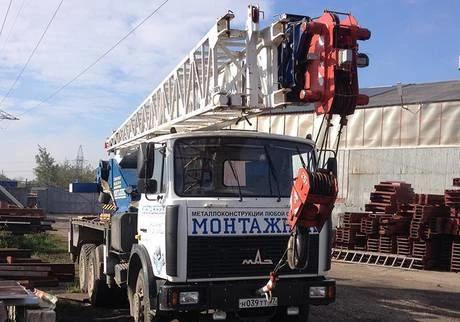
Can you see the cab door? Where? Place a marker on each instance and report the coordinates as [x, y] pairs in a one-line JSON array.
[[152, 211]]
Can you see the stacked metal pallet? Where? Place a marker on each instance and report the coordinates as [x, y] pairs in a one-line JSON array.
[[428, 252], [425, 219], [452, 200], [388, 196], [388, 204], [455, 259], [403, 245], [347, 234], [423, 227]]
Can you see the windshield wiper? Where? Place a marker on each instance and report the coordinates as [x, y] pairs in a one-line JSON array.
[[273, 172], [237, 180], [302, 160]]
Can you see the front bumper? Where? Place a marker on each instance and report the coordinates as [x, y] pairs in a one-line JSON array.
[[225, 296]]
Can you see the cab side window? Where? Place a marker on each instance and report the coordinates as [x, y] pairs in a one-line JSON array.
[[159, 169]]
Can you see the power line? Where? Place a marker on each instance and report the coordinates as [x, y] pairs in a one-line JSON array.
[[6, 15], [12, 26], [98, 59], [32, 53]]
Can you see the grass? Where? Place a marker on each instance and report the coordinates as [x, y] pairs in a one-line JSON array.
[[47, 247]]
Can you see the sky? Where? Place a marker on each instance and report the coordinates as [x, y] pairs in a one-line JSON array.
[[413, 41]]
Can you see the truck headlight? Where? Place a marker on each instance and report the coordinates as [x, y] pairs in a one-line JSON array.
[[189, 297], [317, 292]]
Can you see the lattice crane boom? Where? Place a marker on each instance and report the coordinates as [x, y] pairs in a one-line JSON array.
[[230, 73]]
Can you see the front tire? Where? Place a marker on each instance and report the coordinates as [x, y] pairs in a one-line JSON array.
[[139, 301]]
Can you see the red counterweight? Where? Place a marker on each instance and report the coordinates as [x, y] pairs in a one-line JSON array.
[[312, 198], [331, 79]]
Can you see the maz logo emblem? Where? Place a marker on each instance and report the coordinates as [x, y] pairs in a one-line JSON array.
[[257, 260]]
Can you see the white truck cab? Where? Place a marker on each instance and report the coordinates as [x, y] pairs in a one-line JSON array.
[[212, 219]]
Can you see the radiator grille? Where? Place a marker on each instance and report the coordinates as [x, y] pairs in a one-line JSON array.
[[221, 257]]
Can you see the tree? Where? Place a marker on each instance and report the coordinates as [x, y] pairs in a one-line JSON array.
[[4, 178], [50, 173], [47, 169]]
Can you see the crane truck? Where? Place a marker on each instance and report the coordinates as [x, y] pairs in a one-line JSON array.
[[196, 216]]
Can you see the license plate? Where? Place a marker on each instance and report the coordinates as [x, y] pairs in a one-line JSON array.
[[257, 302]]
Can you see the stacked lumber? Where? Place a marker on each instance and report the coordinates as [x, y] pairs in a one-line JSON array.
[[17, 264], [24, 220]]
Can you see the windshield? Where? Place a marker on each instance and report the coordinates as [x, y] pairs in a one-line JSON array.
[[238, 166]]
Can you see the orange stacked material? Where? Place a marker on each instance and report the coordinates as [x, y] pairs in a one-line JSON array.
[[452, 200], [428, 252], [373, 243], [424, 226], [403, 246], [346, 234], [387, 245], [394, 225], [388, 195], [429, 199]]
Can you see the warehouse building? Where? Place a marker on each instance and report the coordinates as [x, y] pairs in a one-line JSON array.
[[406, 133]]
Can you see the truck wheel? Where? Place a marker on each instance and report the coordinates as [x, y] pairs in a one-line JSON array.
[[140, 300], [282, 316], [97, 289], [83, 259]]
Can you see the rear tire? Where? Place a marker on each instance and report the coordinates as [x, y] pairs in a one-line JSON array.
[[282, 316], [83, 260], [97, 289]]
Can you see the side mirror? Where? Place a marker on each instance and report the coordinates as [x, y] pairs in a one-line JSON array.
[[147, 186], [331, 165], [145, 160]]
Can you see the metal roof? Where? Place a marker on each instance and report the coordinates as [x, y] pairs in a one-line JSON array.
[[388, 96], [414, 93]]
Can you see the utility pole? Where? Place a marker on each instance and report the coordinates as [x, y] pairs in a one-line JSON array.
[[6, 116], [79, 161]]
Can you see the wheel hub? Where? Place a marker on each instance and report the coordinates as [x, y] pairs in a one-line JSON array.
[[138, 309]]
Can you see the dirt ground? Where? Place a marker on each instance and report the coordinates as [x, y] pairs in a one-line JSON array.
[[364, 293]]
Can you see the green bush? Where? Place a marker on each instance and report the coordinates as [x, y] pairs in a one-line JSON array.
[[43, 245]]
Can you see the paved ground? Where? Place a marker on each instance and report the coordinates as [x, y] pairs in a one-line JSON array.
[[369, 293], [364, 293]]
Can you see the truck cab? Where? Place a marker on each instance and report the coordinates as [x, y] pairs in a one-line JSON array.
[[211, 225]]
